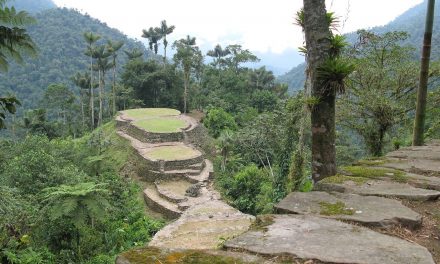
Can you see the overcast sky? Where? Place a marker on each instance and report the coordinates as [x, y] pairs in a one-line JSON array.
[[258, 25]]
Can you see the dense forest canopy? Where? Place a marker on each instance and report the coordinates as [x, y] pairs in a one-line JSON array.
[[68, 181], [32, 6], [58, 34]]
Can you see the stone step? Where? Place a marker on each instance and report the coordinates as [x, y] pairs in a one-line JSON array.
[[418, 166], [205, 174], [197, 166], [370, 211], [326, 240], [379, 188], [173, 191], [182, 173], [429, 152], [159, 204], [203, 226]]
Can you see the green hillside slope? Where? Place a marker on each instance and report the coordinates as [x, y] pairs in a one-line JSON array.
[[59, 36]]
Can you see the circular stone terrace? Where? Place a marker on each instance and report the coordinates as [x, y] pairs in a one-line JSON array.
[[173, 152], [156, 120]]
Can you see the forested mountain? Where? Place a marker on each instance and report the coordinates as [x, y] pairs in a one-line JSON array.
[[32, 6], [412, 21], [58, 34]]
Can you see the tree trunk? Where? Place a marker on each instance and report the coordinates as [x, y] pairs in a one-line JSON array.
[[165, 51], [317, 34], [419, 121], [185, 92], [92, 99], [82, 107], [101, 78], [114, 87]]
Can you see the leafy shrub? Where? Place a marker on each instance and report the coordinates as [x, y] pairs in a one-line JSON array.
[[251, 190], [218, 120]]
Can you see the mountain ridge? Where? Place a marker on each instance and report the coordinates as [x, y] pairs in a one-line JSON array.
[[411, 21], [58, 34]]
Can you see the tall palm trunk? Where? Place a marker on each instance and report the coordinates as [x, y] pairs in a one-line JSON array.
[[92, 98], [419, 121], [185, 92], [317, 35], [100, 77], [81, 94], [114, 87], [165, 44]]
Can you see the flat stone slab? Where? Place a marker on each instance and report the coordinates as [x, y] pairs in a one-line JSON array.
[[419, 166], [429, 152], [149, 255], [327, 240], [380, 188], [203, 226], [366, 210]]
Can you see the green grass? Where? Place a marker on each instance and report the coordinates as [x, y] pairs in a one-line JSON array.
[[161, 125], [172, 153], [338, 208], [374, 173], [361, 174], [339, 179], [150, 112]]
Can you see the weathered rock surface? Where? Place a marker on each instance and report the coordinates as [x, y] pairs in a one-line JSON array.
[[203, 226], [150, 255], [327, 240], [420, 166], [429, 152], [366, 210], [380, 188]]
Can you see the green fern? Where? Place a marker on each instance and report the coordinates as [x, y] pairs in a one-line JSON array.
[[79, 202]]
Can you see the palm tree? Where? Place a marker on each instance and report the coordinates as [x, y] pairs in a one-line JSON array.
[[82, 81], [419, 121], [133, 54], [218, 53], [91, 39], [113, 48], [153, 38], [102, 66], [79, 204], [189, 57], [165, 30], [14, 41]]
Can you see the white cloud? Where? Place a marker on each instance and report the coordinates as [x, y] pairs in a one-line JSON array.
[[258, 25]]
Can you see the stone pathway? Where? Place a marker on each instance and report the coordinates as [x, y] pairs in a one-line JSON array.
[[306, 227], [180, 189], [370, 211], [329, 241], [332, 224]]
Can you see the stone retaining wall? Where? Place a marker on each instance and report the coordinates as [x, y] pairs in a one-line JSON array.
[[161, 209], [150, 137], [198, 137], [182, 164]]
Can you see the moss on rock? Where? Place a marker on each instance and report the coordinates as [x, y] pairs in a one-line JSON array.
[[338, 208]]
